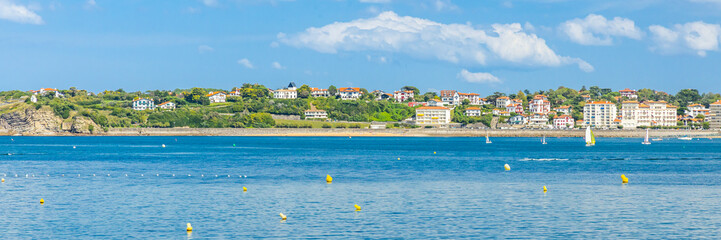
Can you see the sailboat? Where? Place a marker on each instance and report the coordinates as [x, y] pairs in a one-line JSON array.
[[590, 138], [488, 141], [543, 141], [645, 140]]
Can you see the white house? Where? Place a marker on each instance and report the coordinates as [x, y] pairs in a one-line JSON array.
[[514, 108], [502, 102], [291, 86], [45, 91], [401, 96], [285, 94], [313, 113], [563, 122], [433, 115], [216, 97], [349, 93], [540, 104], [564, 110], [599, 114], [167, 105], [235, 93], [435, 103], [630, 94], [484, 101], [474, 98], [537, 119], [519, 119], [33, 99], [450, 97], [473, 112], [317, 92], [696, 109], [141, 104], [648, 114]]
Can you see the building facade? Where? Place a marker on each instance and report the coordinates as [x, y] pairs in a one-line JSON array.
[[141, 104], [715, 115], [502, 102], [401, 96], [628, 93], [285, 94], [647, 114], [473, 98], [564, 110], [599, 114], [433, 115], [563, 122], [167, 105], [694, 110], [540, 104], [317, 92], [216, 97], [450, 97], [349, 93], [473, 112]]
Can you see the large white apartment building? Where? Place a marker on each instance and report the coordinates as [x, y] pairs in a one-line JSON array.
[[433, 115], [502, 102], [647, 114], [141, 104], [540, 104], [285, 94], [599, 114], [349, 93], [715, 114]]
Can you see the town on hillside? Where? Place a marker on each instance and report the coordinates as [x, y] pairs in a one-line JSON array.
[[254, 105]]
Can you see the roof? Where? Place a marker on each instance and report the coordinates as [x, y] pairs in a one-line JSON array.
[[432, 108], [504, 97], [468, 94], [472, 108], [627, 90], [291, 84], [616, 120], [285, 90], [717, 103], [164, 103], [695, 105], [349, 89], [636, 102], [317, 89], [447, 92], [315, 110], [405, 91], [539, 96], [599, 102], [586, 96], [563, 116], [214, 93], [435, 100], [49, 89], [643, 105], [139, 98]]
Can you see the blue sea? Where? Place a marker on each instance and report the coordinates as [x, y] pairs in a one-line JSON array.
[[408, 188]]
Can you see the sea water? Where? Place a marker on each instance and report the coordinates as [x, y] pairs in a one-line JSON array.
[[460, 191]]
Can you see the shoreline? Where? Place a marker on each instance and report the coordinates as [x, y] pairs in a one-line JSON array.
[[321, 132]]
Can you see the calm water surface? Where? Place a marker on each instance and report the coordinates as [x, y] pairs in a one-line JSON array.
[[460, 192]]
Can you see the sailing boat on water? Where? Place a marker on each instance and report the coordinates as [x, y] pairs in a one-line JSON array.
[[488, 141], [590, 138], [543, 141], [645, 140]]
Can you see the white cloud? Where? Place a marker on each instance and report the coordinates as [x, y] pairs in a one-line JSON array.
[[455, 43], [441, 5], [597, 30], [17, 13], [205, 49], [277, 65], [479, 77], [245, 62], [210, 3], [274, 44], [91, 3], [695, 37]]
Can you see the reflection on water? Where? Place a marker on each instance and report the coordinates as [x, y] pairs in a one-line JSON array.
[[461, 191]]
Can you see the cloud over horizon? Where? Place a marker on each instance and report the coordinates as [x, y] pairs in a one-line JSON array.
[[18, 13], [479, 77], [692, 37], [504, 44], [597, 30]]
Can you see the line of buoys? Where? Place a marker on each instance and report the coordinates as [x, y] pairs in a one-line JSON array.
[[189, 228], [283, 217], [545, 189], [624, 179], [507, 167], [357, 208], [328, 179]]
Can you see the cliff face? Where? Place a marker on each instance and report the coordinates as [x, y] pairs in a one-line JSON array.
[[31, 121]]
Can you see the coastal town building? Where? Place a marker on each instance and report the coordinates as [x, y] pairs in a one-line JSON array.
[[628, 93], [563, 122], [538, 120], [314, 113], [514, 108], [696, 109], [504, 113], [473, 98], [291, 86], [502, 102], [520, 119], [33, 99], [563, 110], [497, 111], [450, 97], [234, 93], [318, 92], [167, 105], [540, 104], [402, 96], [715, 115], [586, 98], [647, 114], [141, 104], [285, 94], [433, 116], [216, 97], [435, 103], [415, 104], [349, 93], [47, 91], [484, 101], [599, 114], [473, 112]]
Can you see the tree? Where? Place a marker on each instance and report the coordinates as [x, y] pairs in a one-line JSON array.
[[466, 102], [411, 88], [332, 90], [522, 96], [304, 91], [197, 95], [686, 96]]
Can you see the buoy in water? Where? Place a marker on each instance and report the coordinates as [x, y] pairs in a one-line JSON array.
[[245, 189], [189, 228], [357, 208], [73, 147], [233, 144], [283, 217], [328, 179], [3, 180], [624, 179], [42, 201], [507, 167], [399, 158], [163, 145], [545, 189]]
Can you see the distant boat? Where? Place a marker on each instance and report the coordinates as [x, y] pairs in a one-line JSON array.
[[645, 140], [543, 141], [657, 139], [590, 138], [687, 138], [488, 141]]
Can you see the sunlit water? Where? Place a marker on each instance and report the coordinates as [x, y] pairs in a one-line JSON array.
[[462, 191]]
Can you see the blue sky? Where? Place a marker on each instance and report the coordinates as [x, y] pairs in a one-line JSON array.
[[471, 46]]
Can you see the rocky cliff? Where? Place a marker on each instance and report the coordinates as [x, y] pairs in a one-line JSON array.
[[26, 120]]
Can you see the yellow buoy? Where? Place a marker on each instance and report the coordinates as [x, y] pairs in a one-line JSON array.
[[163, 145], [245, 189], [434, 152], [399, 158], [3, 180], [328, 179], [357, 208], [283, 217], [189, 228], [42, 201], [545, 189], [624, 179], [507, 167]]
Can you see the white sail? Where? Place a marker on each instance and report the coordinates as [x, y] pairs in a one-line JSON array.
[[645, 140], [487, 139], [590, 140]]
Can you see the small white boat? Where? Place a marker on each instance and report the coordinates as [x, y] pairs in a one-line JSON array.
[[543, 141], [645, 140], [590, 138], [685, 138], [488, 141], [657, 139]]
